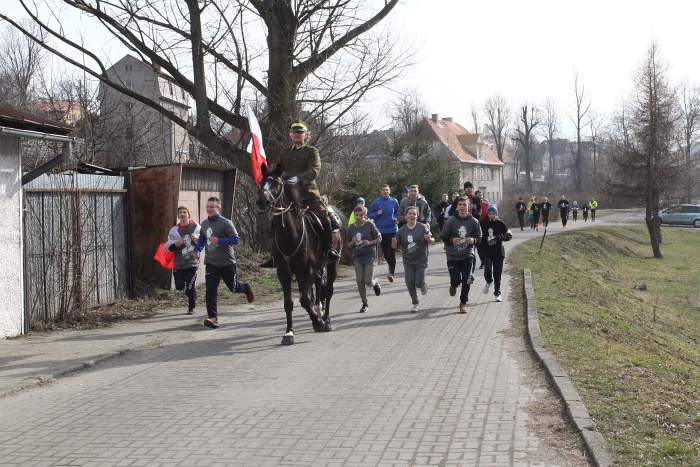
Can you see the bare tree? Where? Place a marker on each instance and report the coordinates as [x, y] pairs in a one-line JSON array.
[[22, 62], [320, 55], [498, 116], [689, 133], [407, 111], [550, 131], [475, 118], [580, 108], [595, 124], [643, 161], [525, 137]]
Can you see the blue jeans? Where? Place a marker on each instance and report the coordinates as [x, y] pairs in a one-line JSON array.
[[493, 269], [460, 271], [213, 275]]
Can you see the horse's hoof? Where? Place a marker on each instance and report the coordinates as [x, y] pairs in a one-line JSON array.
[[328, 327], [319, 326], [287, 340]]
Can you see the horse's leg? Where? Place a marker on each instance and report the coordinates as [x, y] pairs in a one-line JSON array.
[[286, 283], [331, 274], [308, 283], [317, 297]]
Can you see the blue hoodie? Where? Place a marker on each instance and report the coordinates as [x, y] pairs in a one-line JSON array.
[[385, 222]]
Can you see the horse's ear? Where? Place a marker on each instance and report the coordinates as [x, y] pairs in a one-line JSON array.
[[277, 172]]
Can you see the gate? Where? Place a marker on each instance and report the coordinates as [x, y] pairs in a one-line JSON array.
[[75, 244]]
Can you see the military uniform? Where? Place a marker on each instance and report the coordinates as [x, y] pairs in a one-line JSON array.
[[304, 162]]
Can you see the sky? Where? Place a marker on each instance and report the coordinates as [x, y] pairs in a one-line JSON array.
[[528, 51]]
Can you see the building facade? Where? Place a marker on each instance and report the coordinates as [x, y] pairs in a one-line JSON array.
[[136, 134], [475, 160]]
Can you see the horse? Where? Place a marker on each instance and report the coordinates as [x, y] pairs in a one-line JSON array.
[[297, 251]]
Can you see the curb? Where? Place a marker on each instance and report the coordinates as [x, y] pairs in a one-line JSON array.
[[42, 379], [575, 408]]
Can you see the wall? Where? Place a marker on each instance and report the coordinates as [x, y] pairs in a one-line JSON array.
[[11, 270]]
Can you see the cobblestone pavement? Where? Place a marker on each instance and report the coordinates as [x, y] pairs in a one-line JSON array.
[[387, 387]]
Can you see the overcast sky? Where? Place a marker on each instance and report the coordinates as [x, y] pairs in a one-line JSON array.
[[525, 51], [528, 50]]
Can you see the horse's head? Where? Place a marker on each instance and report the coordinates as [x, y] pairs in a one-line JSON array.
[[270, 189]]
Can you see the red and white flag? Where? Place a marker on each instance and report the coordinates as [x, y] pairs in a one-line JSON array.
[[255, 147]]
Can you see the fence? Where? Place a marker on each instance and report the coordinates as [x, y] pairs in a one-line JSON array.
[[75, 245]]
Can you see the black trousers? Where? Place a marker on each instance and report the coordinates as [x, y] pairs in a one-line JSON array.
[[213, 276], [185, 279]]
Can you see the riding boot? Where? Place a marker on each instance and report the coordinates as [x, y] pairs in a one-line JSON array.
[[268, 263], [328, 247]]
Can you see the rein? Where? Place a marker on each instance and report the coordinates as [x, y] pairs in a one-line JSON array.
[[280, 209]]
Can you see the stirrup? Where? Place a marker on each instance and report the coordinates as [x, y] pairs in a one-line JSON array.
[[333, 255], [268, 263]]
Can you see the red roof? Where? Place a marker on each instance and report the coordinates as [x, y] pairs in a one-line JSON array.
[[457, 139]]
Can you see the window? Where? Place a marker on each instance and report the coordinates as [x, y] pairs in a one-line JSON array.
[[170, 85]]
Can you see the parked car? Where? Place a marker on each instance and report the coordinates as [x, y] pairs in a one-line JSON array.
[[684, 214]]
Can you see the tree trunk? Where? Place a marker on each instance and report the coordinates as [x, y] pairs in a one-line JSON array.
[[282, 92], [528, 177]]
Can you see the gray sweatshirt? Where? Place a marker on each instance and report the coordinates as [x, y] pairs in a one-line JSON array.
[[462, 228]]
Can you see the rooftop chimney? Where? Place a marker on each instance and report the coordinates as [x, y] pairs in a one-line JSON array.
[[435, 118], [448, 119]]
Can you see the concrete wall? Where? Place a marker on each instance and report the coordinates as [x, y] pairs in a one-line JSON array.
[[11, 270]]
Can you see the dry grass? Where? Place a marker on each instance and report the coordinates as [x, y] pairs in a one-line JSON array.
[[632, 354]]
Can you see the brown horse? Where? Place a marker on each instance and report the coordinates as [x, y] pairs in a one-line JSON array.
[[297, 250]]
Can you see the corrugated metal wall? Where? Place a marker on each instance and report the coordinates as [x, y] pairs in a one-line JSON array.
[[75, 244]]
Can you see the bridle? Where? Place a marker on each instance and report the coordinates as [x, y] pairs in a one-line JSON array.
[[278, 208]]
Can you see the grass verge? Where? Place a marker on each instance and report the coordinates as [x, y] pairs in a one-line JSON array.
[[626, 329]]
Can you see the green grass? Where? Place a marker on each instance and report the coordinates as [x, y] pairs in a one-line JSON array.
[[633, 355]]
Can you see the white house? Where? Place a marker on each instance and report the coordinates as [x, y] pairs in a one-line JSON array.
[[476, 161], [14, 126]]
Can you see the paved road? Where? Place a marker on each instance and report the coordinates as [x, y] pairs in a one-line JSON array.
[[384, 388]]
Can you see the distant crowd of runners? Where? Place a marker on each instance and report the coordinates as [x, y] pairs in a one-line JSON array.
[[539, 211]]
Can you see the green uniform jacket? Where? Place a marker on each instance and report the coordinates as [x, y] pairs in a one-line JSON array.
[[304, 162]]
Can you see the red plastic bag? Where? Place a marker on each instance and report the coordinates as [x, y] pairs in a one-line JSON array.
[[165, 258]]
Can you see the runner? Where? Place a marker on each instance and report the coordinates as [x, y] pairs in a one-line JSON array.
[[181, 240], [563, 211], [494, 232], [364, 237], [383, 212], [461, 234], [414, 239], [521, 208], [218, 235]]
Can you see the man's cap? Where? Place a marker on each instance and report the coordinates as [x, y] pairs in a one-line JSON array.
[[468, 185], [360, 200], [492, 208], [298, 127], [404, 190]]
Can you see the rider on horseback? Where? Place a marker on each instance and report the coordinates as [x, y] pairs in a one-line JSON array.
[[302, 164]]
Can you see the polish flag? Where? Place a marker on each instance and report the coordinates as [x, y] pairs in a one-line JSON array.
[[255, 147]]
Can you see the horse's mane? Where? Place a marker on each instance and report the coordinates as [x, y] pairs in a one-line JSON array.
[[291, 193]]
